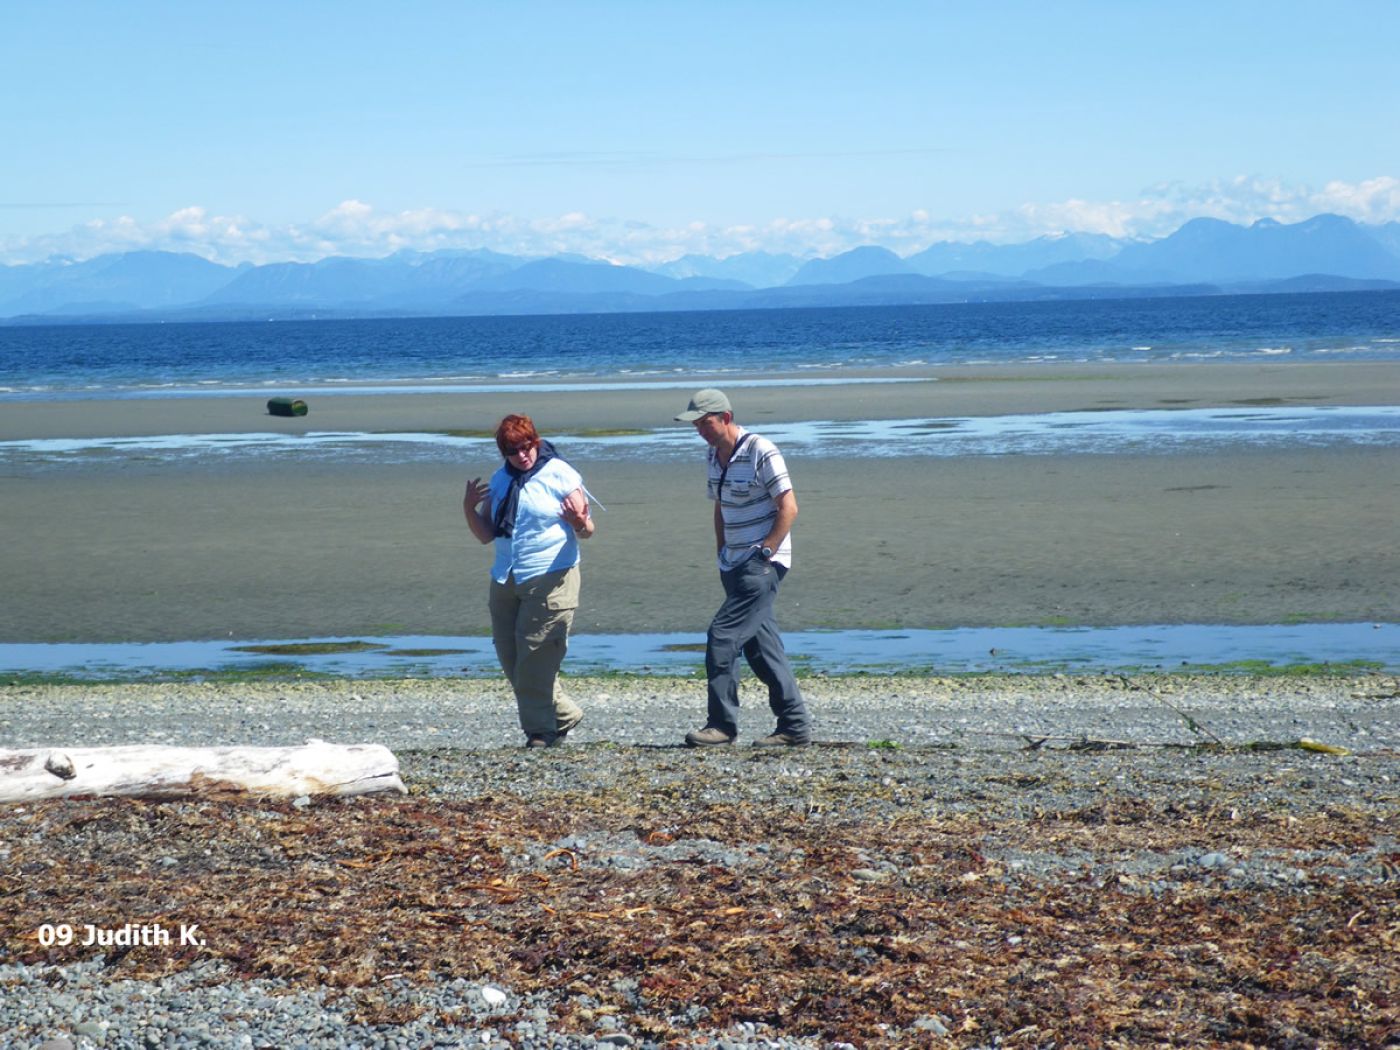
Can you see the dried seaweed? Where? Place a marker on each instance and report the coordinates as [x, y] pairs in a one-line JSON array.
[[792, 929]]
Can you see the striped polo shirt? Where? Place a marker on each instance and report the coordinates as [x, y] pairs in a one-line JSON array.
[[756, 476]]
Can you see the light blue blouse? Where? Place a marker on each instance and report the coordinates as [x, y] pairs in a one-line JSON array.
[[543, 541]]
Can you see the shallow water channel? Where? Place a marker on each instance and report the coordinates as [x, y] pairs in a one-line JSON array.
[[957, 651]]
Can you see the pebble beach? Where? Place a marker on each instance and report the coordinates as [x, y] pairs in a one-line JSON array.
[[1030, 827]]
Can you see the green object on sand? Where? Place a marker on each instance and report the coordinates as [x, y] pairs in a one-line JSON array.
[[286, 406]]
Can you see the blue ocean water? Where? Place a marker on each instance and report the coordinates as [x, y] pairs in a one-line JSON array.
[[65, 361]]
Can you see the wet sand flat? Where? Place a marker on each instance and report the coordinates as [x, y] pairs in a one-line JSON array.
[[152, 550], [943, 392]]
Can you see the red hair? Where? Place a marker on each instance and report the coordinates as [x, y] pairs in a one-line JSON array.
[[514, 432]]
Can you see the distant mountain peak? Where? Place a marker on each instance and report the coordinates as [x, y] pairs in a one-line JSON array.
[[867, 261], [1219, 252], [759, 269], [1204, 256]]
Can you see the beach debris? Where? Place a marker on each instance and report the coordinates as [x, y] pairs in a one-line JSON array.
[[1306, 744], [569, 856], [158, 771], [869, 875], [493, 996], [60, 766], [1036, 741], [991, 911], [286, 406], [680, 949], [1303, 744], [1191, 723]]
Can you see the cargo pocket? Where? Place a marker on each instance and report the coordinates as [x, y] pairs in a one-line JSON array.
[[564, 594]]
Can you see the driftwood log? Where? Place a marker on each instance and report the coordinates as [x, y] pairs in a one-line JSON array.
[[149, 771]]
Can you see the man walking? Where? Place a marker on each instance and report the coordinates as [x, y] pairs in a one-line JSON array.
[[754, 511]]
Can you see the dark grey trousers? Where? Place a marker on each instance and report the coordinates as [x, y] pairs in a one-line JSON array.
[[745, 624]]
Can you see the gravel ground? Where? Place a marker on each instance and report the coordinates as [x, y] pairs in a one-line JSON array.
[[1199, 808], [986, 712]]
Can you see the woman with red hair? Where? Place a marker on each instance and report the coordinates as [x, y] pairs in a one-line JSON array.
[[535, 510]]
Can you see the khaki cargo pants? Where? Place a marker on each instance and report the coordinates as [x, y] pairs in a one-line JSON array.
[[530, 624]]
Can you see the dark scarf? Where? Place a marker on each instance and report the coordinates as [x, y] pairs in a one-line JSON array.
[[510, 505]]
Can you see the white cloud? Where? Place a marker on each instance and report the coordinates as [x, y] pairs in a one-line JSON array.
[[1160, 209], [357, 228], [1373, 201]]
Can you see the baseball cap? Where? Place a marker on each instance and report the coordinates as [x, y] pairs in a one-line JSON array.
[[703, 403]]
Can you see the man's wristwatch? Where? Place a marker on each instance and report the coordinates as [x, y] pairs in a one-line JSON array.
[[766, 553]]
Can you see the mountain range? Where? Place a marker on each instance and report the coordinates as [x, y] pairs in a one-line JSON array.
[[1203, 257]]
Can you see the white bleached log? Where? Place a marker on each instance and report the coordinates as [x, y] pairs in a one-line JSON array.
[[151, 771]]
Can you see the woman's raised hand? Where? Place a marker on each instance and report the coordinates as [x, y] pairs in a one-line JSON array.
[[477, 494], [574, 510]]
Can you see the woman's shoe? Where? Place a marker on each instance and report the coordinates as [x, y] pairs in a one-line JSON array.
[[783, 739]]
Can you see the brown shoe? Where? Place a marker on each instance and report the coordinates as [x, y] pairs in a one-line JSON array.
[[542, 740], [783, 740], [708, 737]]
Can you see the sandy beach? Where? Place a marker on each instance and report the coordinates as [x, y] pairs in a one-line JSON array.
[[960, 861], [157, 550]]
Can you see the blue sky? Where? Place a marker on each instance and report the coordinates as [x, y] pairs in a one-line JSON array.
[[642, 131]]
